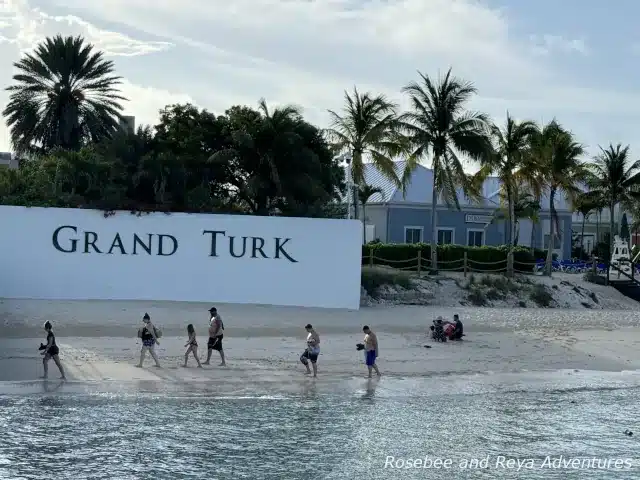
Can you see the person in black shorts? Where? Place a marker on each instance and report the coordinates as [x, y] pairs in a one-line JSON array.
[[216, 327], [312, 351], [51, 351]]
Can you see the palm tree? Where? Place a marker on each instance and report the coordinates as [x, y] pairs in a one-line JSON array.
[[368, 127], [558, 156], [511, 146], [585, 207], [65, 94], [613, 181], [439, 126], [525, 206], [365, 192]]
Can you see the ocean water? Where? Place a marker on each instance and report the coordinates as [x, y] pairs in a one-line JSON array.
[[326, 431], [508, 398]]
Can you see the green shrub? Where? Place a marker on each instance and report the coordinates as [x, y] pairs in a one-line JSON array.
[[500, 283], [495, 294], [540, 295], [373, 278], [477, 297], [450, 257]]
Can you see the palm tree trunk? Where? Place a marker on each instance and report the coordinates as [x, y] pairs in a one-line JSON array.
[[598, 227], [533, 233], [364, 225], [517, 237], [356, 158], [533, 227], [552, 210], [512, 232], [434, 227], [354, 201], [584, 219], [611, 227]]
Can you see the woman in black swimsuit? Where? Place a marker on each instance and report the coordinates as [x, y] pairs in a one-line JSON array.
[[51, 351]]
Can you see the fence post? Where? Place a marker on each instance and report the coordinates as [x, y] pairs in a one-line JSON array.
[[419, 261], [465, 264], [371, 257], [594, 265]]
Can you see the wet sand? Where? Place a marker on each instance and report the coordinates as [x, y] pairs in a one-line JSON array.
[[262, 343]]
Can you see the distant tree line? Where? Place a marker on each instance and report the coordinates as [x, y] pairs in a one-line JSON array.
[[65, 108]]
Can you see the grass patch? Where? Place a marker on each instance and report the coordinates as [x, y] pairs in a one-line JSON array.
[[477, 296], [500, 284], [541, 296], [374, 278], [494, 294], [594, 297]]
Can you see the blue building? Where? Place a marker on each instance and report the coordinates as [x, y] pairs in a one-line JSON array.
[[393, 217]]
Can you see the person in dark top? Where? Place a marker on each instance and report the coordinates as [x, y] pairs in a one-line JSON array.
[[51, 351], [149, 340], [458, 329]]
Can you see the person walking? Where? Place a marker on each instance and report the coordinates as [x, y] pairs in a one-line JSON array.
[[312, 351], [149, 340], [192, 345], [370, 350], [51, 351], [216, 327]]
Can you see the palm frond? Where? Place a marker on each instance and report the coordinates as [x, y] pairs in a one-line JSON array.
[[64, 94]]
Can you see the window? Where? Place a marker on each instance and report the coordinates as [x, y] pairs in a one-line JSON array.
[[557, 243], [445, 236], [412, 234], [475, 238]]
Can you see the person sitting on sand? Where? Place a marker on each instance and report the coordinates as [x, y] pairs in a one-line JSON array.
[[455, 329], [192, 345], [312, 351], [51, 351], [149, 340], [370, 349], [216, 327]]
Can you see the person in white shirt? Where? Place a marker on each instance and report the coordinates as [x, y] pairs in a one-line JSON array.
[[216, 329], [370, 349], [312, 351]]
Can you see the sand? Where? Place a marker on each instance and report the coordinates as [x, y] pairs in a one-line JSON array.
[[99, 348]]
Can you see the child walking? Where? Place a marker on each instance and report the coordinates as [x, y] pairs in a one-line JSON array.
[[193, 346]]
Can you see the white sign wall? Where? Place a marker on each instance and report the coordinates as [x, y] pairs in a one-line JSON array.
[[73, 254]]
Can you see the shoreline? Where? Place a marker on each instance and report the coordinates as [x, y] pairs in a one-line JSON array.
[[262, 344]]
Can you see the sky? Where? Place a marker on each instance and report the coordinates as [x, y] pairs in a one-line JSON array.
[[576, 61]]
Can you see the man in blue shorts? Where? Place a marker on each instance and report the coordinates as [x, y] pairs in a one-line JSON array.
[[370, 350], [312, 351]]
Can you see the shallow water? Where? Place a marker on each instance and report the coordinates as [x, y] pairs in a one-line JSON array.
[[501, 393], [343, 434]]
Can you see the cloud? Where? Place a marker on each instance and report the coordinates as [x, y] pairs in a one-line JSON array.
[[550, 44], [307, 52]]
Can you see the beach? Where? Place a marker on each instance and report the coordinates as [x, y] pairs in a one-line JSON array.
[[98, 340], [543, 360]]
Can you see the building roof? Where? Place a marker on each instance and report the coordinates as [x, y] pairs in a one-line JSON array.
[[419, 189]]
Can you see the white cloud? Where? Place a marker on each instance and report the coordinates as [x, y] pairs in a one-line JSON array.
[[222, 53]]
